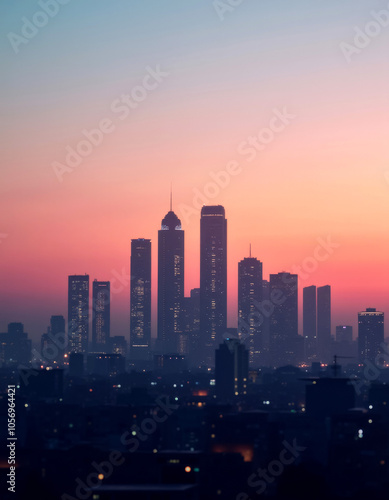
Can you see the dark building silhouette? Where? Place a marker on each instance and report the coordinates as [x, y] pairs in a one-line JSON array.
[[15, 346], [101, 314], [76, 364], [189, 343], [324, 322], [329, 396], [309, 322], [105, 365], [41, 384], [140, 323], [284, 336], [78, 313], [54, 342], [118, 345], [170, 281], [344, 333], [213, 277], [231, 369], [370, 334], [250, 319]]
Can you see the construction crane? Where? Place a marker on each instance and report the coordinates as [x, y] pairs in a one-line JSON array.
[[335, 365]]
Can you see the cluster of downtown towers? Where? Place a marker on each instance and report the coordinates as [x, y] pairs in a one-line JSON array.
[[195, 326]]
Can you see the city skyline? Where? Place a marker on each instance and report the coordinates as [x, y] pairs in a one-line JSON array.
[[313, 180], [121, 280]]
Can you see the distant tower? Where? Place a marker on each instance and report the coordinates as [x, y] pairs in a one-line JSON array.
[[53, 343], [101, 315], [370, 335], [231, 369], [309, 322], [284, 318], [250, 319], [78, 313], [324, 322], [213, 277], [140, 326], [170, 281]]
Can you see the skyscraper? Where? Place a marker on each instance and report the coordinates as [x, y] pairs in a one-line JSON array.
[[140, 324], [213, 277], [324, 322], [78, 313], [170, 281], [370, 335], [231, 369], [250, 319], [309, 322], [101, 315], [284, 318], [53, 343]]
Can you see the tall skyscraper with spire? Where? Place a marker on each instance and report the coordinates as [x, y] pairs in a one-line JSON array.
[[250, 319], [213, 277], [140, 322], [170, 280], [78, 313]]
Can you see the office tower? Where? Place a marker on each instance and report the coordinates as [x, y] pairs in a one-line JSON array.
[[250, 318], [15, 346], [309, 322], [370, 335], [344, 333], [118, 345], [213, 277], [190, 327], [54, 342], [284, 336], [324, 323], [170, 281], [101, 314], [78, 313], [140, 323], [231, 369]]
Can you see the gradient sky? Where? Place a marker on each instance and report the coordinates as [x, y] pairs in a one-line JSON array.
[[325, 175]]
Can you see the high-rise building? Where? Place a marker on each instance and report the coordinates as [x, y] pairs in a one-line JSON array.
[[213, 277], [324, 322], [344, 333], [250, 319], [140, 324], [284, 318], [231, 369], [309, 322], [101, 314], [78, 313], [190, 327], [15, 346], [370, 335], [54, 342], [170, 281]]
